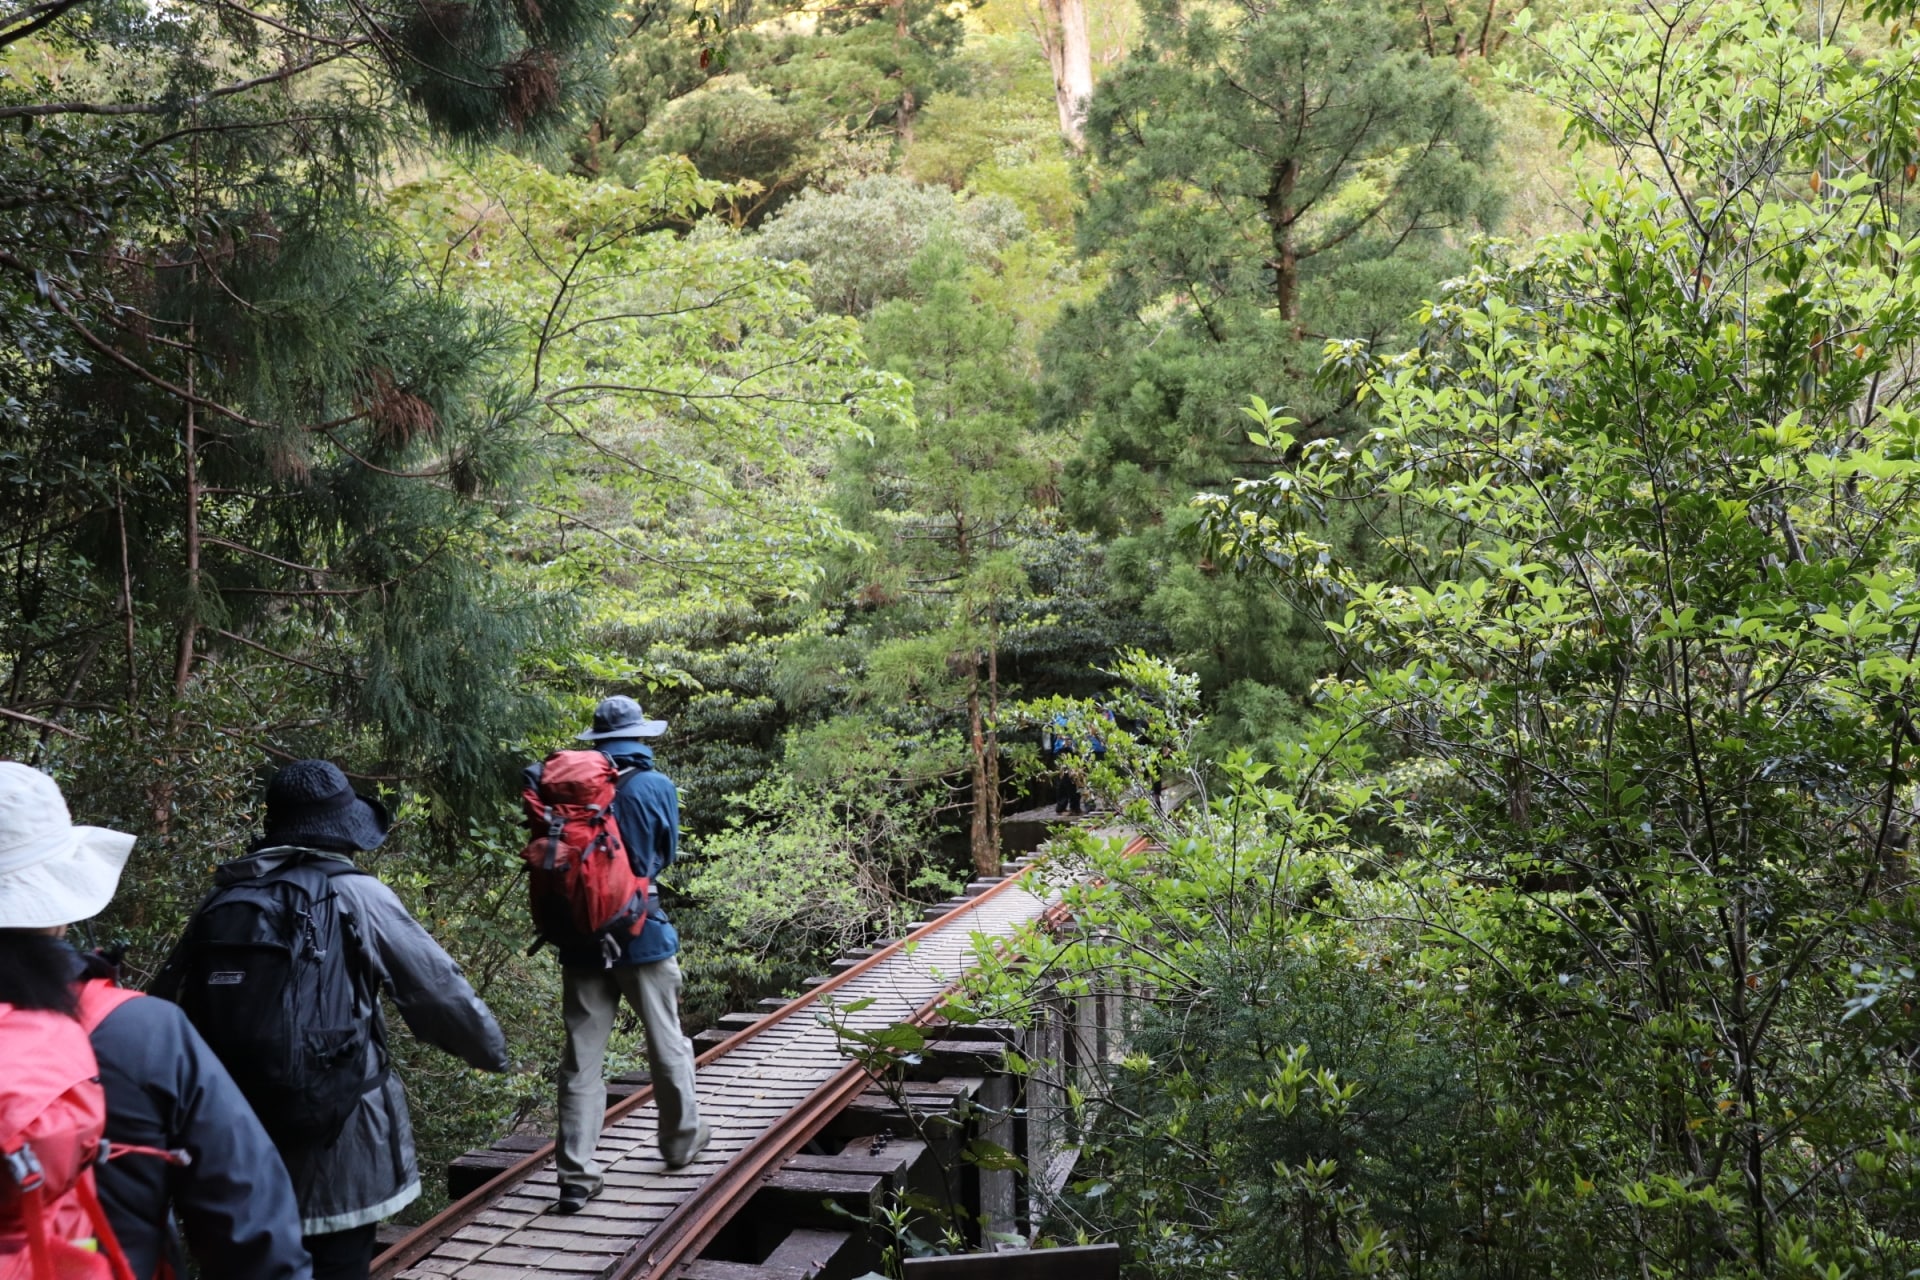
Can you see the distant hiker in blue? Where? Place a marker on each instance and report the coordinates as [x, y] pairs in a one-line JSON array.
[[1066, 790], [646, 808]]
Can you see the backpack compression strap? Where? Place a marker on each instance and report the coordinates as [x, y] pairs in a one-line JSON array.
[[31, 1180]]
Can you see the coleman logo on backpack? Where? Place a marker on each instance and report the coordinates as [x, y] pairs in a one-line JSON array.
[[581, 886]]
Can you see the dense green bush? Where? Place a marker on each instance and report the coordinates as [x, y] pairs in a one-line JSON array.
[[863, 240]]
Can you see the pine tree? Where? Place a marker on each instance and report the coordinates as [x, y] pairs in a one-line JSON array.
[[249, 445], [945, 498], [1264, 178]]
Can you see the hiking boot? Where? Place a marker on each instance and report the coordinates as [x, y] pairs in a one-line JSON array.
[[681, 1157], [572, 1200]]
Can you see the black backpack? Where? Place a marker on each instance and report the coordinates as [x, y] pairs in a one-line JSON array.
[[269, 974]]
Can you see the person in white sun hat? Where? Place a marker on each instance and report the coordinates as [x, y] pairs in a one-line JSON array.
[[52, 873], [199, 1149]]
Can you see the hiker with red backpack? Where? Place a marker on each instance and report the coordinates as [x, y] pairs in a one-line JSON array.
[[604, 823], [281, 970], [112, 1109]]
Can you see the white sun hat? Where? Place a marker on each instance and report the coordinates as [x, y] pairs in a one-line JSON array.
[[51, 872]]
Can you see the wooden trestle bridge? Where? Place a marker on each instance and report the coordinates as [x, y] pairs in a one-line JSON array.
[[805, 1143]]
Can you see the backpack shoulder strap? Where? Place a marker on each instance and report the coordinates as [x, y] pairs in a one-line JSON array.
[[100, 997], [360, 964], [166, 980]]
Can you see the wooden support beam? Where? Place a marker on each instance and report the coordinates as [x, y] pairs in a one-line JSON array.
[[761, 1248], [702, 1269], [988, 1029], [894, 1160], [941, 1114], [816, 1254], [942, 1058], [475, 1169], [1080, 1262], [619, 1087], [800, 1197], [996, 1192]]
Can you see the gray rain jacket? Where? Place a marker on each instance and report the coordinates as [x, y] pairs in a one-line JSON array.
[[370, 1171]]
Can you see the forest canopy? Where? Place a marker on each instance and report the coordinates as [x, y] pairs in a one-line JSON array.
[[1446, 472]]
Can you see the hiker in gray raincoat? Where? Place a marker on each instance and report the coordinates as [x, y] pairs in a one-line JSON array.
[[369, 1171]]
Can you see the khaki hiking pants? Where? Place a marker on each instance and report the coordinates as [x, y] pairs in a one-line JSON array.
[[589, 998]]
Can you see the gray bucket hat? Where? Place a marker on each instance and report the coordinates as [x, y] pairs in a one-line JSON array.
[[621, 717]]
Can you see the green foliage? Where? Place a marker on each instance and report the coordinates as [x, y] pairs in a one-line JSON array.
[[1664, 651], [1286, 1104], [318, 519], [822, 855], [687, 389], [1139, 731], [1069, 625], [770, 97], [944, 500], [245, 438], [1235, 226], [1228, 193], [256, 463], [998, 131], [862, 241]]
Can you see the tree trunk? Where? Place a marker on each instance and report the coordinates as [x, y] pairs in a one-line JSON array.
[[1064, 37], [190, 619], [1285, 264], [993, 745], [986, 855], [160, 795], [126, 599], [903, 122]]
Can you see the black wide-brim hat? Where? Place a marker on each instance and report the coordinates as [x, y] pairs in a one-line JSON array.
[[311, 803]]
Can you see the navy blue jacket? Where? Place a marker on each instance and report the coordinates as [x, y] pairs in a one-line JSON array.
[[647, 810], [234, 1201]]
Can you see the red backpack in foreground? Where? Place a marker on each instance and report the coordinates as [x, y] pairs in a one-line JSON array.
[[53, 1113], [580, 884]]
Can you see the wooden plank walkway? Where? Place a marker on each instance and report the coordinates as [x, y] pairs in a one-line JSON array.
[[741, 1093]]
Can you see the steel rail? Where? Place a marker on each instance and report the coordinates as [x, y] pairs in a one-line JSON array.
[[425, 1238]]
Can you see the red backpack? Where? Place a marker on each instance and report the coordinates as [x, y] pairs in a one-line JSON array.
[[580, 884], [53, 1114]]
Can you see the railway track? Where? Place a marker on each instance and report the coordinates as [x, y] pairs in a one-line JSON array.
[[767, 1091]]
